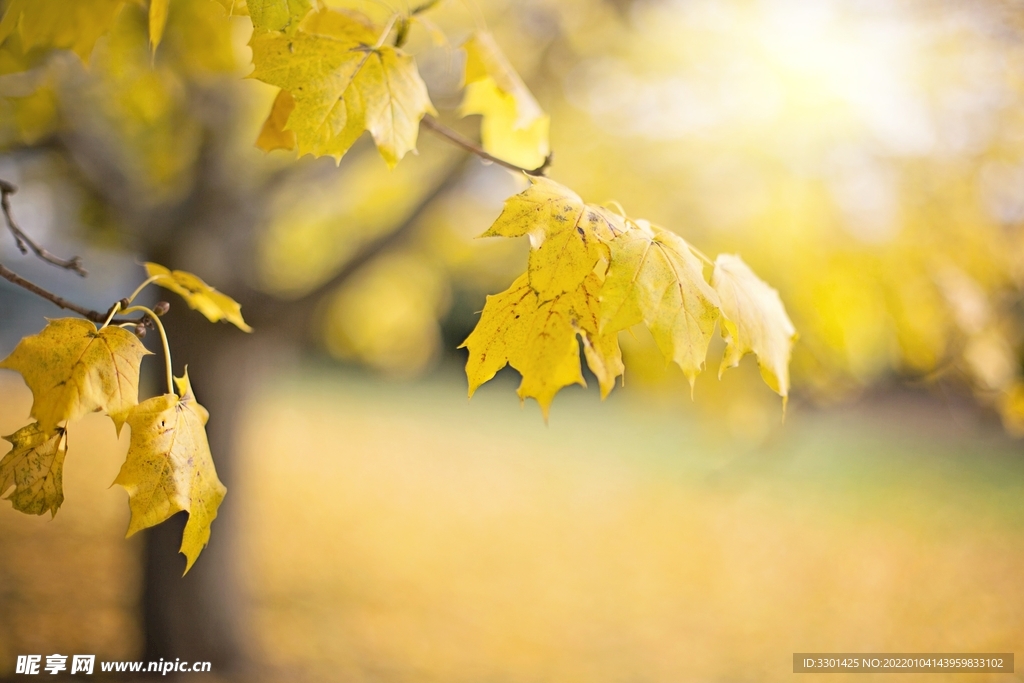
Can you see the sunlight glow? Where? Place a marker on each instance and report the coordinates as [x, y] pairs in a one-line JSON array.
[[826, 64]]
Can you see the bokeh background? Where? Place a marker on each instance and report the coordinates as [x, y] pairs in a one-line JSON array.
[[866, 158]]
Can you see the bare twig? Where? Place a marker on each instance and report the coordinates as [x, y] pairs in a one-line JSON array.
[[25, 243], [371, 250], [94, 316], [423, 7], [443, 131]]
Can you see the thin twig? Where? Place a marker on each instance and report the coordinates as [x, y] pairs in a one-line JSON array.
[[25, 242], [441, 130], [88, 314], [423, 7], [376, 247]]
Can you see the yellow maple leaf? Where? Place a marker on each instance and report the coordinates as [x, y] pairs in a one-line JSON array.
[[34, 466], [198, 295], [653, 277], [73, 369], [342, 83], [566, 235], [273, 134], [538, 339], [59, 24], [753, 320], [277, 15], [169, 468], [514, 127], [601, 348], [157, 21], [234, 8]]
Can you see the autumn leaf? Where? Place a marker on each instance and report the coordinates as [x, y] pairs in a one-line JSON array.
[[277, 15], [514, 127], [34, 466], [60, 24], [198, 295], [601, 348], [753, 320], [73, 369], [566, 235], [273, 135], [341, 84], [500, 331], [653, 277], [234, 8], [169, 468], [157, 21], [539, 340]]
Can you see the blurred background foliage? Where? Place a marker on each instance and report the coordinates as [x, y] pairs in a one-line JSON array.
[[866, 158], [863, 156]]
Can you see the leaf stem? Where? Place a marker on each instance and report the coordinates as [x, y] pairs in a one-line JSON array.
[[163, 340], [113, 311], [387, 31], [700, 254], [614, 204], [446, 133], [138, 290]]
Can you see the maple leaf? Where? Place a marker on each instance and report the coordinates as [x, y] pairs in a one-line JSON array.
[[73, 369], [566, 235], [753, 320], [654, 278], [34, 466], [59, 24], [198, 295], [169, 467], [514, 127], [273, 134], [157, 21], [277, 15], [601, 348], [539, 340], [234, 8], [342, 83]]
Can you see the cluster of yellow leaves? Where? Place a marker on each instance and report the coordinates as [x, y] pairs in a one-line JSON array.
[[338, 77], [58, 24], [337, 80], [514, 127], [198, 295], [74, 368], [593, 273], [75, 26]]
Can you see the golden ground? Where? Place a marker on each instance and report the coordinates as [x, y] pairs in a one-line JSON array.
[[397, 533], [402, 535]]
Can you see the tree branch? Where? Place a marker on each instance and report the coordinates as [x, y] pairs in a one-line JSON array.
[[373, 249], [25, 242], [446, 133], [88, 314]]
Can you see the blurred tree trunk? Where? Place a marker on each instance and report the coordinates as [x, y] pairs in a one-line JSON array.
[[197, 617], [213, 230]]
